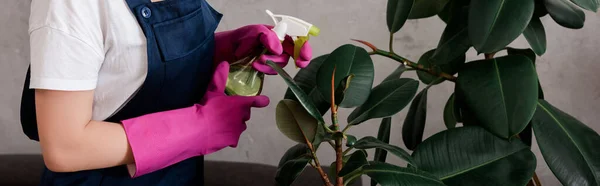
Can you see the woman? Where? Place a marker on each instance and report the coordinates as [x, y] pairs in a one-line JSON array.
[[131, 92]]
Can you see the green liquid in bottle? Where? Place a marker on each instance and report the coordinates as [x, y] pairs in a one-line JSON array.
[[244, 81]]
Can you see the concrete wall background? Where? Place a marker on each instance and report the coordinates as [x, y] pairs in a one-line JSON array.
[[568, 71]]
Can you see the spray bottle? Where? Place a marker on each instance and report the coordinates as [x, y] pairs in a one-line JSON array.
[[243, 79]]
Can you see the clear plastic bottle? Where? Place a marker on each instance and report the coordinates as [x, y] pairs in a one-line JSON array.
[[243, 79]]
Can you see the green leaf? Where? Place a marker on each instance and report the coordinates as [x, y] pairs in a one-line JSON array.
[[540, 9], [383, 135], [455, 41], [450, 68], [294, 122], [292, 163], [444, 15], [467, 117], [526, 135], [450, 113], [357, 160], [501, 93], [453, 44], [565, 13], [350, 140], [347, 59], [525, 52], [414, 123], [493, 24], [386, 99], [396, 73], [306, 78], [569, 147], [426, 8], [370, 142], [333, 167], [397, 14], [591, 5], [302, 97], [531, 55], [387, 174], [536, 36], [473, 156]]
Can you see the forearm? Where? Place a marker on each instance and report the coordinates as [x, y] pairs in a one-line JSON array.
[[97, 145], [71, 140]]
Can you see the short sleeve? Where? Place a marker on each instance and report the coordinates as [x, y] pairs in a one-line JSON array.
[[60, 61]]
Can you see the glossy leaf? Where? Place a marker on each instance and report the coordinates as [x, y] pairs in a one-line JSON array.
[[569, 147], [347, 60], [455, 41], [501, 92], [396, 74], [565, 13], [453, 44], [397, 13], [386, 99], [304, 100], [540, 9], [531, 55], [333, 168], [450, 68], [493, 24], [388, 174], [450, 113], [414, 123], [292, 163], [426, 8], [357, 160], [473, 156], [370, 142], [294, 122], [527, 135], [306, 79], [444, 15], [535, 34], [350, 140], [591, 5], [383, 135]]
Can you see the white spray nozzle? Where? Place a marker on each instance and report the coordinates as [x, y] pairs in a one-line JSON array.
[[294, 27]]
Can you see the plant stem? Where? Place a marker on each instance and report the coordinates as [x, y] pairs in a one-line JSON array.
[[414, 65], [333, 106], [405, 61], [346, 128], [392, 43], [490, 55], [536, 179], [318, 166], [336, 126], [347, 151], [339, 162], [331, 143]]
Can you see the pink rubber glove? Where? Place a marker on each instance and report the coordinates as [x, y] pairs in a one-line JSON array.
[[236, 44], [162, 139]]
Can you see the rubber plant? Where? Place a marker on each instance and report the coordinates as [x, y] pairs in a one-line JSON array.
[[497, 106]]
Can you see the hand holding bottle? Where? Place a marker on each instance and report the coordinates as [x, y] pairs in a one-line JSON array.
[[237, 44], [162, 139]]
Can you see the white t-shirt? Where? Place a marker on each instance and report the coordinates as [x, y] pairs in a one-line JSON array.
[[87, 45]]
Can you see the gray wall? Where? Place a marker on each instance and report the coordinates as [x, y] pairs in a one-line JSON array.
[[568, 72]]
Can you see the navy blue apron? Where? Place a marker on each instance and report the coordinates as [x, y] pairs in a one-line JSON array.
[[180, 39]]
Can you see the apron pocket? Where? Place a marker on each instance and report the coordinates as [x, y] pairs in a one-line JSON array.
[[181, 36]]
